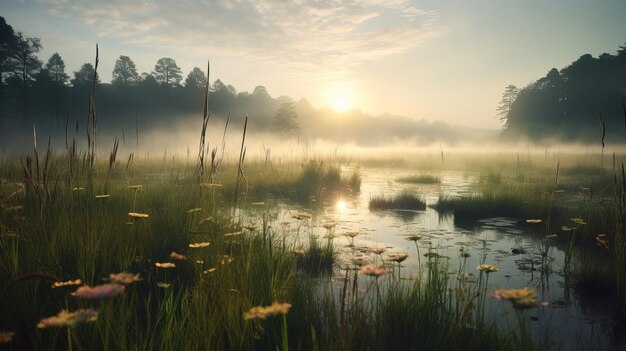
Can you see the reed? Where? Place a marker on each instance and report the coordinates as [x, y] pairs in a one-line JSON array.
[[402, 201]]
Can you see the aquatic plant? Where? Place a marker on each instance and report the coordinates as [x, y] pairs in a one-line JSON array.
[[402, 201], [487, 268], [420, 179], [124, 278], [520, 298], [262, 312], [69, 319], [100, 291]]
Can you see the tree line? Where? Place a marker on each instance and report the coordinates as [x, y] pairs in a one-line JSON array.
[[580, 102], [43, 94]]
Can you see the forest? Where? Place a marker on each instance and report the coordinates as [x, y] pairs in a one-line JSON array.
[[572, 104], [580, 102]]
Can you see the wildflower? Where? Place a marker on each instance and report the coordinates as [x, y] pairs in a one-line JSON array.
[[163, 285], [199, 245], [13, 208], [227, 259], [194, 210], [534, 221], [602, 241], [413, 237], [69, 319], [301, 215], [124, 278], [251, 227], [328, 226], [77, 189], [67, 283], [578, 221], [520, 298], [165, 264], [351, 234], [199, 261], [210, 270], [399, 257], [137, 215], [6, 337], [103, 196], [299, 251], [373, 270], [487, 268], [260, 312], [178, 257], [232, 234], [378, 250], [206, 219], [100, 291], [566, 228], [465, 254], [359, 261], [10, 234]]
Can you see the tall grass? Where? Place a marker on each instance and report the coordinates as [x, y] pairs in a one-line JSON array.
[[81, 236], [402, 201], [420, 179]]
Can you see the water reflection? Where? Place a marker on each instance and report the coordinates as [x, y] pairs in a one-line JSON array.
[[523, 257]]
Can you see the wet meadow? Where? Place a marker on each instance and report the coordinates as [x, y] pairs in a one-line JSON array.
[[323, 252]]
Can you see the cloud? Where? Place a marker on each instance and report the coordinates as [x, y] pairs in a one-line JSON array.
[[304, 36]]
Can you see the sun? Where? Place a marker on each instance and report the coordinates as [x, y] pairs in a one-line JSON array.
[[340, 103], [341, 205], [340, 98]]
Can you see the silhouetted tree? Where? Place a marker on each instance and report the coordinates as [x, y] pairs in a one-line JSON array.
[[56, 68], [84, 76], [285, 119], [196, 79], [124, 72], [26, 64], [167, 72], [148, 80], [565, 103], [508, 97], [50, 88], [8, 42], [260, 91]]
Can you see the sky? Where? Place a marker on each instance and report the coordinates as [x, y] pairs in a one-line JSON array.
[[436, 60]]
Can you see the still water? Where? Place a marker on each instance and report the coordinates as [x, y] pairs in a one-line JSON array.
[[524, 257]]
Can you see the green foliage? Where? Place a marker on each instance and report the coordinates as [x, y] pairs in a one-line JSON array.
[[402, 201], [166, 72], [56, 68], [196, 79], [125, 72], [286, 120], [565, 103]]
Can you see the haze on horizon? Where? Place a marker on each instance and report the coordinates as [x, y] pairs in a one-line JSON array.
[[433, 60]]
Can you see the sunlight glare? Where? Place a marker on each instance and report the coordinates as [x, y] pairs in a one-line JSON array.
[[341, 205], [340, 98], [340, 104]]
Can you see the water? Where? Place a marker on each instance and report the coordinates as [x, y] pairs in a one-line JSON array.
[[519, 250]]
